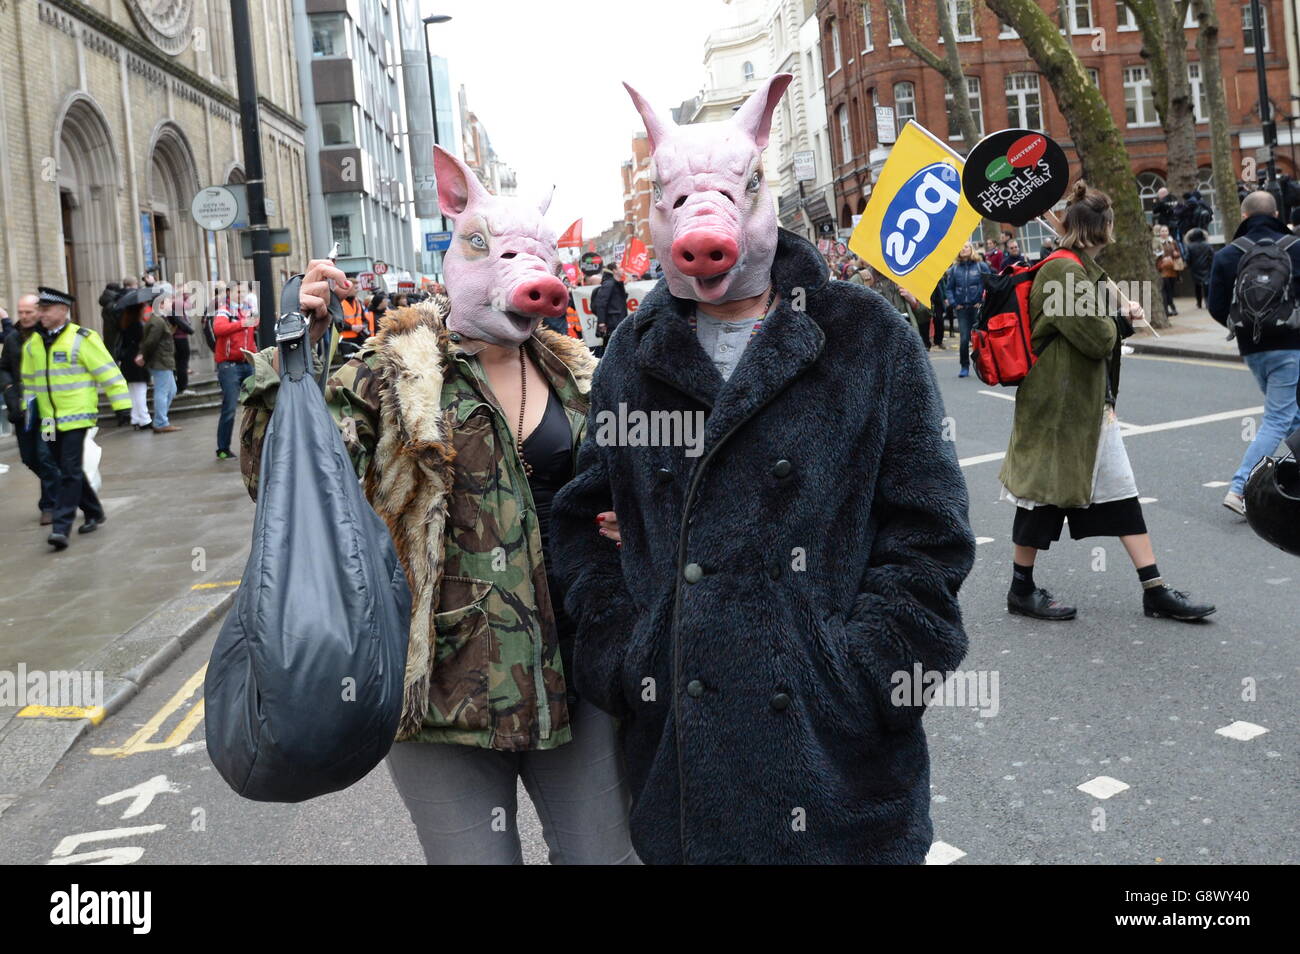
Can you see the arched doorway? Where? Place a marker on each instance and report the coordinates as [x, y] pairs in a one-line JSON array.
[[172, 241], [86, 164]]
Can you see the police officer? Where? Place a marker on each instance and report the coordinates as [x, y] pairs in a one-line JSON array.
[[63, 367]]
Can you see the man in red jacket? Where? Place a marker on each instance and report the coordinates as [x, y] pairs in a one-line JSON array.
[[236, 332]]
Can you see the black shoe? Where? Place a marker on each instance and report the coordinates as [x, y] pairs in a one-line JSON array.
[[1164, 602], [90, 526], [1040, 605], [58, 540]]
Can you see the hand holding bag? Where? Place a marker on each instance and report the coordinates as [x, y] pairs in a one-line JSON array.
[[304, 688]]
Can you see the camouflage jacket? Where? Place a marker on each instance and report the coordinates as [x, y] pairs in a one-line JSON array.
[[439, 464]]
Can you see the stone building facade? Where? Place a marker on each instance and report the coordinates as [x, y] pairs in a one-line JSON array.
[[113, 114]]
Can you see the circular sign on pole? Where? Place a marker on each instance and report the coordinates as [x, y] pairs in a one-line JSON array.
[[1015, 175], [215, 208], [591, 263], [381, 268]]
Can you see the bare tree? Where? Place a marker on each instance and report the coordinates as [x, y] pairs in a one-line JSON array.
[[1164, 46], [1226, 200], [949, 67], [1097, 140]]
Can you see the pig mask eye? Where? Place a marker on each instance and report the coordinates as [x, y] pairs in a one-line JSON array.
[[754, 181], [658, 192], [478, 241]]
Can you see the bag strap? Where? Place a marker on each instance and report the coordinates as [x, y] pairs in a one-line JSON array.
[[1287, 242], [1243, 243]]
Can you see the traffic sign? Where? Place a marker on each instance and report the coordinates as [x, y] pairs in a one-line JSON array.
[[215, 208], [437, 241], [381, 268]]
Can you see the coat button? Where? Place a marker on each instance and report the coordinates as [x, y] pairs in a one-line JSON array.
[[664, 475], [782, 468], [693, 573], [695, 688], [779, 701]]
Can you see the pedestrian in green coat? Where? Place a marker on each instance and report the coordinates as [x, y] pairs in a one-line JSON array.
[[1066, 458]]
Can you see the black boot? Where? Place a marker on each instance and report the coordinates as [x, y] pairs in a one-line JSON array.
[[57, 540], [90, 525], [1161, 602], [1040, 605]]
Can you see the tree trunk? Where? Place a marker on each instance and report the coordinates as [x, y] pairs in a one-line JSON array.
[[1165, 50], [1098, 143], [949, 67], [1226, 201]]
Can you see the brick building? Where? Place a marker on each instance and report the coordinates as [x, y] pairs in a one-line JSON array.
[[866, 67], [636, 192], [113, 114]]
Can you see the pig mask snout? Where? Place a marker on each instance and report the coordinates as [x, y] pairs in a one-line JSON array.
[[539, 296], [703, 253]]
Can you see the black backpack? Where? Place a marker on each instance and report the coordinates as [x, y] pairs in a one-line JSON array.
[[1262, 296], [209, 333]]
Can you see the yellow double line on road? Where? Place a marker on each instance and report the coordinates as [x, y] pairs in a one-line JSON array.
[[140, 741]]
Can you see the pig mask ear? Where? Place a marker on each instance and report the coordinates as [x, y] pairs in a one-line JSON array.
[[545, 202], [458, 187], [755, 116], [655, 129]]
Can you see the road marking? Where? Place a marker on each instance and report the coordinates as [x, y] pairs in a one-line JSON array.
[[1217, 483], [94, 713], [1200, 362], [1241, 731], [139, 742], [942, 853], [1148, 500], [213, 586], [124, 855], [979, 540], [141, 795], [1140, 429], [1103, 787], [1005, 397]]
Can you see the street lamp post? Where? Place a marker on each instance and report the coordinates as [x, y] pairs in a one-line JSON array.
[[1265, 104], [433, 100], [250, 128]]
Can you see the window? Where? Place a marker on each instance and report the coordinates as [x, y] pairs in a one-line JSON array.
[[836, 57], [337, 124], [1006, 31], [846, 135], [1205, 185], [868, 44], [329, 34], [977, 111], [748, 70], [1024, 101], [1200, 105], [1248, 29], [1125, 16], [894, 38], [1149, 183], [1095, 77], [1139, 103], [904, 103], [962, 15], [1076, 16]]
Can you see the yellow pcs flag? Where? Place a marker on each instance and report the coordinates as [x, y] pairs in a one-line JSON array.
[[917, 219]]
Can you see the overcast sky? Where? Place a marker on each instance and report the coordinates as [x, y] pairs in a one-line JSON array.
[[545, 79]]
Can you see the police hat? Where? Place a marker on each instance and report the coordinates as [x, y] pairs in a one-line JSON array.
[[52, 296]]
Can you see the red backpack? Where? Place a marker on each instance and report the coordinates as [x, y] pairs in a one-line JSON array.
[[1000, 343]]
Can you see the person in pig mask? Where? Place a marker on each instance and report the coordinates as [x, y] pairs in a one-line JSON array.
[[462, 418], [779, 584]]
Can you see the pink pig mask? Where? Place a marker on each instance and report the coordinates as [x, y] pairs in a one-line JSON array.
[[501, 267], [712, 211]]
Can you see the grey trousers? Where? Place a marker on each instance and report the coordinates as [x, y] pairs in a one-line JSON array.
[[463, 799]]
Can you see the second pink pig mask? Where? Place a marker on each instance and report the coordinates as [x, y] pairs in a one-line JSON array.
[[712, 217], [501, 267]]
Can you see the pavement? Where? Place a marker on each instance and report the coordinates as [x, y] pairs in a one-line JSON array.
[[1116, 739], [1193, 334]]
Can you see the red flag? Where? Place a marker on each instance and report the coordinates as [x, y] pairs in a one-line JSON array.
[[636, 258], [575, 277], [572, 237]]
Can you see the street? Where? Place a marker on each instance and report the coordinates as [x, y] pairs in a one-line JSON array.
[[1110, 696]]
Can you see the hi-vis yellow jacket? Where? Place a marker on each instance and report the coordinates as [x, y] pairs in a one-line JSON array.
[[64, 377]]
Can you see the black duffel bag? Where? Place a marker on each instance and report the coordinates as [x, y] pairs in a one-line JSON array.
[[304, 689]]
